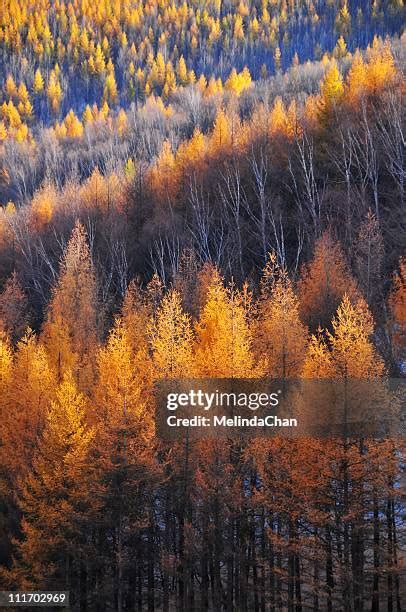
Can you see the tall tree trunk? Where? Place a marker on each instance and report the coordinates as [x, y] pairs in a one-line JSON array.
[[298, 586], [119, 562], [279, 566], [165, 553], [217, 594], [271, 568], [291, 567], [150, 567], [253, 556], [263, 554], [329, 570], [204, 589], [395, 557], [375, 581], [230, 568], [316, 573], [389, 525]]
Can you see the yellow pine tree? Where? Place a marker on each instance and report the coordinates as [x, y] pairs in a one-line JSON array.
[[135, 315], [317, 361], [323, 282], [280, 336], [55, 496], [120, 392], [397, 305], [14, 309], [22, 93], [346, 354], [206, 276], [11, 87], [87, 116], [211, 88], [6, 364], [331, 88], [163, 175], [278, 117], [74, 128], [191, 153], [381, 69], [13, 116], [122, 122], [171, 338], [3, 131], [22, 133], [43, 206], [238, 82], [220, 138], [54, 91], [126, 462], [99, 61], [357, 79], [110, 93], [181, 71], [170, 81], [29, 396], [352, 352], [223, 337], [340, 50], [70, 329]]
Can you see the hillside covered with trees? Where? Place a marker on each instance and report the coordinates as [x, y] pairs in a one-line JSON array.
[[204, 190], [88, 58]]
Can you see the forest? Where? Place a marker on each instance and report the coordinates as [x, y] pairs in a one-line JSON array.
[[198, 190]]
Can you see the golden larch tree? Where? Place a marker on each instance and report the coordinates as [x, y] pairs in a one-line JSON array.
[[70, 332], [55, 495], [171, 338], [323, 282], [353, 354], [120, 391], [29, 396], [14, 309], [397, 306], [221, 138], [331, 89], [164, 174], [6, 365], [223, 337], [280, 336]]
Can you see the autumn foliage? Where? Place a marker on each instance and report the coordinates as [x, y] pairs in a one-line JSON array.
[[198, 190], [94, 487]]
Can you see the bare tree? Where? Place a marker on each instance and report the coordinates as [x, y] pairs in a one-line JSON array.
[[389, 125], [165, 254], [259, 169], [232, 196], [206, 231], [308, 194], [365, 157]]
